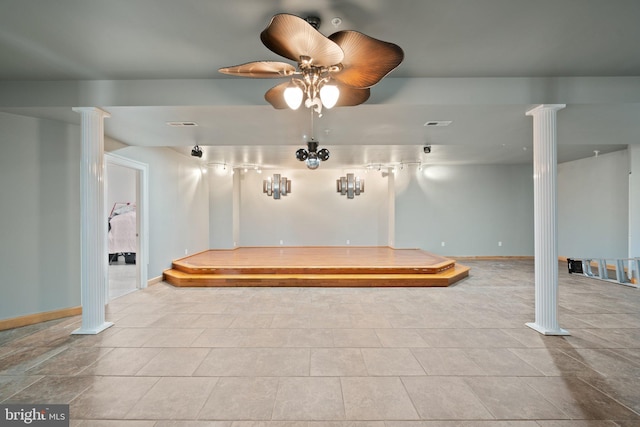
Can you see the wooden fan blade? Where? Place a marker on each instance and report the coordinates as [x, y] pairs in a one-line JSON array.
[[350, 96], [292, 37], [260, 70], [275, 96], [366, 60]]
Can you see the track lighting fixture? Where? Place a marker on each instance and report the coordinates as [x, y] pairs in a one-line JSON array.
[[312, 156], [394, 167], [196, 151]]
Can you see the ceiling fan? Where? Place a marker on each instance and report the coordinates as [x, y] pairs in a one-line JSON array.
[[331, 71]]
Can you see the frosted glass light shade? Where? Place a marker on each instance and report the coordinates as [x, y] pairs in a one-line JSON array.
[[329, 95], [293, 96]]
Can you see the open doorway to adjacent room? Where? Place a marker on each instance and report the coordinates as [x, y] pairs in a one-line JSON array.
[[125, 207]]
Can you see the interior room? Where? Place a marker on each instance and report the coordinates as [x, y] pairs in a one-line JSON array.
[[500, 134], [122, 229]]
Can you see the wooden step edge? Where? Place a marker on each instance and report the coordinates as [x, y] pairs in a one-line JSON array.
[[182, 275], [178, 278], [227, 270]]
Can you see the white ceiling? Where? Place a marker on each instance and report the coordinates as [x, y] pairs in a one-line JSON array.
[[147, 40]]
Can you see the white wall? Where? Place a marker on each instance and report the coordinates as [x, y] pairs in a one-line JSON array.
[[470, 208], [178, 205], [593, 207], [634, 201], [40, 216], [314, 214]]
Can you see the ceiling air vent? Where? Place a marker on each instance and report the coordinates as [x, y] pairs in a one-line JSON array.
[[181, 124], [438, 123]]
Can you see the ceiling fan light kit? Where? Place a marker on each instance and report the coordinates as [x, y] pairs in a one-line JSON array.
[[338, 70], [293, 96], [329, 94]]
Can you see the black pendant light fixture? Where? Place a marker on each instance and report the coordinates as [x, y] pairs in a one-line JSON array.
[[311, 156]]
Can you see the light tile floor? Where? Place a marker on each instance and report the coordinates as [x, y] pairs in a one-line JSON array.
[[122, 278], [381, 357]]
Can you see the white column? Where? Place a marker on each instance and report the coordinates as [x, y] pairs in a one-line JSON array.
[[93, 224], [545, 186], [391, 208]]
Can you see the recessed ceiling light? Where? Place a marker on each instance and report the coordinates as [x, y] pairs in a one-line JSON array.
[[181, 124], [438, 123]]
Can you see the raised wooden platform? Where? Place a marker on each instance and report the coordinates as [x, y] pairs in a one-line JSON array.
[[315, 266]]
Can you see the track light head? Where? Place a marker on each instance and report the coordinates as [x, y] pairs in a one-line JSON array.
[[426, 149], [302, 154], [196, 151], [323, 154]]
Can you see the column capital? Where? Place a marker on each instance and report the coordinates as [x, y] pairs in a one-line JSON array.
[[545, 107], [83, 110]]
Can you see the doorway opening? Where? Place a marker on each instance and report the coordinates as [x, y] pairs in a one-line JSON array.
[[126, 202]]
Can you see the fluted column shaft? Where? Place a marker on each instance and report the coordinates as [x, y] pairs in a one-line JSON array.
[[93, 224], [546, 219]]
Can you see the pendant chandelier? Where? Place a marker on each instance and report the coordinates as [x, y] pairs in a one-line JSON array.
[[312, 156]]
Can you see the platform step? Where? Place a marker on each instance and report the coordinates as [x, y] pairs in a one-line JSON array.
[[444, 278]]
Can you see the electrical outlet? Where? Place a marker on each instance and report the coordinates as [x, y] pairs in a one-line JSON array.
[[186, 252], [499, 243], [282, 242], [348, 242], [442, 244]]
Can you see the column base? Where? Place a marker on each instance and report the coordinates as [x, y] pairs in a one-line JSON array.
[[546, 331], [92, 331]]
